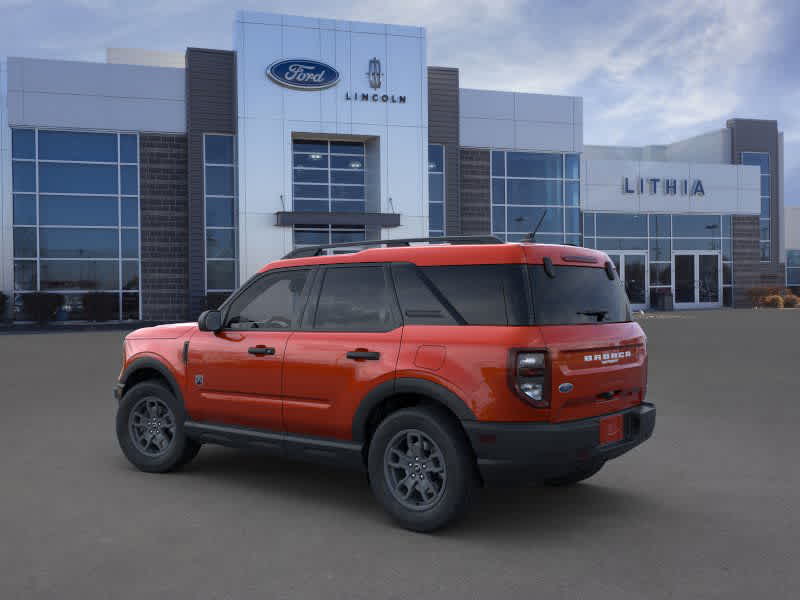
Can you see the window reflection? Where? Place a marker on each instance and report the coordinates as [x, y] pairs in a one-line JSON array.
[[526, 184], [72, 235]]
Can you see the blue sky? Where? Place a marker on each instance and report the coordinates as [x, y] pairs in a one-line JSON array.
[[649, 72]]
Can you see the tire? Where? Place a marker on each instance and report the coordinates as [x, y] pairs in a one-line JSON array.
[[421, 468], [167, 447], [577, 475]]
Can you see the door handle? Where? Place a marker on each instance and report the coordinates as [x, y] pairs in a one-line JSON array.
[[363, 355], [261, 351]]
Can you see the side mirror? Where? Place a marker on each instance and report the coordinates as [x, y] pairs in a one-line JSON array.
[[210, 320]]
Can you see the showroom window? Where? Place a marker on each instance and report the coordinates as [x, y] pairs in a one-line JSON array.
[[320, 235], [76, 221], [761, 160], [529, 186], [328, 176], [793, 268], [219, 158], [658, 236], [436, 190]]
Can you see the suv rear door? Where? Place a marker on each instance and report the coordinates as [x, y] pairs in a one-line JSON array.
[[235, 374], [348, 343], [598, 359]]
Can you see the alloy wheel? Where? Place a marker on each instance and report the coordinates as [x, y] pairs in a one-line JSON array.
[[152, 426], [415, 470]]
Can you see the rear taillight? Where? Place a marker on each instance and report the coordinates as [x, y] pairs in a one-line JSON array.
[[529, 378]]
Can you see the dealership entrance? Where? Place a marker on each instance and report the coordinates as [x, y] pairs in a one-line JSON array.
[[697, 279], [632, 269]]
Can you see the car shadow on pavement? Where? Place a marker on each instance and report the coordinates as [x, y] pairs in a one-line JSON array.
[[507, 511]]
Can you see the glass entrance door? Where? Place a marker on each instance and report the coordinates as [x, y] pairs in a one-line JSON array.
[[632, 269], [708, 278], [696, 279]]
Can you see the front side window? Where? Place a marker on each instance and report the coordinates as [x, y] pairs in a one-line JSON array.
[[577, 295], [271, 303], [354, 299]]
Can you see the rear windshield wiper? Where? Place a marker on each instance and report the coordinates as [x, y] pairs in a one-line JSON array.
[[600, 314]]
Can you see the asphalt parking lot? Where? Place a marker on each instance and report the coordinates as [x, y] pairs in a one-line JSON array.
[[707, 509]]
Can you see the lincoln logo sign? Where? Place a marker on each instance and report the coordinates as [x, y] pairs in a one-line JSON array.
[[374, 74], [302, 74], [667, 186]]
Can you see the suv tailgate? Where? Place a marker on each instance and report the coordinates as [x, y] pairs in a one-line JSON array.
[[595, 369]]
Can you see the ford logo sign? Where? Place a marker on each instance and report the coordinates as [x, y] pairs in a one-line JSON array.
[[303, 74], [565, 388]]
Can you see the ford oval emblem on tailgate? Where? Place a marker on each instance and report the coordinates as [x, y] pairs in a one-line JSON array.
[[565, 388]]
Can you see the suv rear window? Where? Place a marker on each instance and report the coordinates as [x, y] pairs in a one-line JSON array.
[[577, 295]]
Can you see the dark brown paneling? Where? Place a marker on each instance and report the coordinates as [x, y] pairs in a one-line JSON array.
[[443, 129], [164, 227], [210, 108], [476, 218]]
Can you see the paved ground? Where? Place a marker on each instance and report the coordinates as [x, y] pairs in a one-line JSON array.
[[707, 509]]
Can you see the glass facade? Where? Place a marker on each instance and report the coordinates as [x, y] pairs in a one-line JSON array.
[[436, 193], [761, 160], [328, 176], [793, 268], [528, 187], [659, 236], [219, 160], [319, 235], [76, 220]]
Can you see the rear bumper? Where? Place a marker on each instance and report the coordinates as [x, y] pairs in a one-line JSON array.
[[536, 451]]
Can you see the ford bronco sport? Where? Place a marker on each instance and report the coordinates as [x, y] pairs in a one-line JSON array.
[[435, 368]]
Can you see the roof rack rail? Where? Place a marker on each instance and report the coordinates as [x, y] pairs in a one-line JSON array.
[[309, 251]]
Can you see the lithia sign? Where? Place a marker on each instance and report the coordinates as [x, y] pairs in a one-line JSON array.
[[667, 186], [306, 74]]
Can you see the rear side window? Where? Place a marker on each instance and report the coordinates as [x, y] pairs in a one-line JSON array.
[[483, 294], [354, 299], [578, 295], [420, 302]]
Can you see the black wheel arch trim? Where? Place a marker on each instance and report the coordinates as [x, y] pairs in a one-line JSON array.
[[406, 385], [148, 362]]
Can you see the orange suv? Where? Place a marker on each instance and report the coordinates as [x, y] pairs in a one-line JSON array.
[[435, 368]]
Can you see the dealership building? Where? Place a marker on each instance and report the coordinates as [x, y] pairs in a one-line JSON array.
[[166, 180]]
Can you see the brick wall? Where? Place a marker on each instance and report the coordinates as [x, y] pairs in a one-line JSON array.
[[165, 233], [476, 217], [748, 271], [746, 268]]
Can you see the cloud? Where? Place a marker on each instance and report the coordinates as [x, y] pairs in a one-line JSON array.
[[649, 72]]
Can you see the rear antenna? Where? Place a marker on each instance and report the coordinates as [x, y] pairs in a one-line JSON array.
[[532, 235]]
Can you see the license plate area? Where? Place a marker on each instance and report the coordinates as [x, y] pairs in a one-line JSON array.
[[612, 429]]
